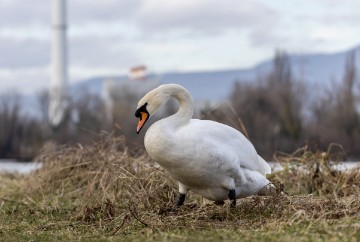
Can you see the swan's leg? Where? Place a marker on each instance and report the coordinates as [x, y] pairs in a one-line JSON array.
[[229, 184], [182, 194], [180, 199], [232, 197]]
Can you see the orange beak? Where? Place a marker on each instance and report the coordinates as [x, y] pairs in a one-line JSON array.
[[142, 119]]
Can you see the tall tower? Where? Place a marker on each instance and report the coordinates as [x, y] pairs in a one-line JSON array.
[[58, 102]]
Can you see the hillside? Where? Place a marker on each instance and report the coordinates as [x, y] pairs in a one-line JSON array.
[[314, 69], [317, 71]]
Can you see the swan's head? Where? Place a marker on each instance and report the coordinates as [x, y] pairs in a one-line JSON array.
[[150, 103]]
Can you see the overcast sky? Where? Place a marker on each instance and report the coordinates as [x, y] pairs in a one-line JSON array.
[[109, 36]]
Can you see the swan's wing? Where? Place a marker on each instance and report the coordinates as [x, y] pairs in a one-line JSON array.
[[227, 143]]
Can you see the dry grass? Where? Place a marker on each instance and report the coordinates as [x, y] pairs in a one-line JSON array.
[[307, 172], [102, 191]]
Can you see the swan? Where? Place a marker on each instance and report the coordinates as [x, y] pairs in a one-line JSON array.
[[212, 159]]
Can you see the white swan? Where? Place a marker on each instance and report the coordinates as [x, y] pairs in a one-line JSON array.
[[210, 158]]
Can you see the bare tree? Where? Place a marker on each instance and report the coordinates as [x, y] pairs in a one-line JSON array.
[[21, 137], [271, 109], [336, 116], [9, 121]]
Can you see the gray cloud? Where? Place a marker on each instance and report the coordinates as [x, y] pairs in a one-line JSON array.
[[100, 38], [101, 53], [352, 18], [265, 35], [20, 13], [82, 11], [204, 17], [333, 12], [25, 80], [154, 18], [154, 15], [23, 53]]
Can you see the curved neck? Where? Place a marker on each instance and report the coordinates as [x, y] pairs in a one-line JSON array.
[[186, 106]]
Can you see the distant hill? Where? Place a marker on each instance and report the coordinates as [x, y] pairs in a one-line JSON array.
[[316, 70]]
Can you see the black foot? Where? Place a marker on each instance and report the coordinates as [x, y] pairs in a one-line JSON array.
[[232, 197], [219, 203], [180, 200]]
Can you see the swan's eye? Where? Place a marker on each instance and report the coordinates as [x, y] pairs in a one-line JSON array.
[[140, 110], [138, 114]]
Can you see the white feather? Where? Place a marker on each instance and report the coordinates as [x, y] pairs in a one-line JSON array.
[[207, 157]]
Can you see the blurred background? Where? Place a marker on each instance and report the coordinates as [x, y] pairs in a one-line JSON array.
[[286, 74]]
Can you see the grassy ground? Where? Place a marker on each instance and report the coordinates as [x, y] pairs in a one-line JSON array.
[[102, 193]]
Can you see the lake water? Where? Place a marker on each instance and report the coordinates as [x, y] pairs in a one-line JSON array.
[[13, 166]]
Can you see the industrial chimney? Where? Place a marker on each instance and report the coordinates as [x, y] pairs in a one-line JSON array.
[[58, 103]]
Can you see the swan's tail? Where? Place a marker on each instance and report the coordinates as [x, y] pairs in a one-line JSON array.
[[265, 168]]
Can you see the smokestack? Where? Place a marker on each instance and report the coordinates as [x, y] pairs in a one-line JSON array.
[[58, 88]]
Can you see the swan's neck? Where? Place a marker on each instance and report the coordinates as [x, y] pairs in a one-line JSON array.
[[186, 107]]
